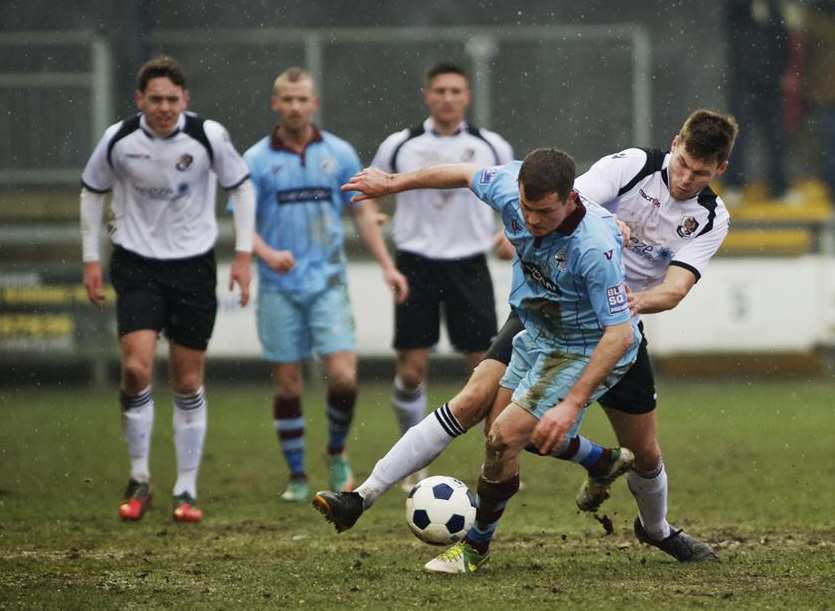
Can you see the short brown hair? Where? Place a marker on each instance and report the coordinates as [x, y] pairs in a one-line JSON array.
[[547, 171], [292, 75], [443, 68], [162, 66], [709, 135]]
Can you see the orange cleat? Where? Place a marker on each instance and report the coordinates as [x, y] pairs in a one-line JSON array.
[[135, 501], [186, 510]]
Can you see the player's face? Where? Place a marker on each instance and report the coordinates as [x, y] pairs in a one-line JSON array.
[[161, 103], [295, 103], [447, 98], [689, 175], [544, 215]]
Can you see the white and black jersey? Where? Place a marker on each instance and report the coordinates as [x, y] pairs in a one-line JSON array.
[[633, 184], [164, 188], [442, 223]]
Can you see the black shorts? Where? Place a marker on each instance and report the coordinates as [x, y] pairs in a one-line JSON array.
[[462, 286], [172, 295], [635, 391], [502, 347]]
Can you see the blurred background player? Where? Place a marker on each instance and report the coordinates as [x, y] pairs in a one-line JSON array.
[[162, 166], [303, 303], [441, 240]]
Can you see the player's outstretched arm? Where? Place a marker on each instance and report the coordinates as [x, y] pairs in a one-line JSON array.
[[557, 421], [677, 283], [374, 183]]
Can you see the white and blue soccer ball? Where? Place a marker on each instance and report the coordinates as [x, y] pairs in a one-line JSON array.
[[440, 510]]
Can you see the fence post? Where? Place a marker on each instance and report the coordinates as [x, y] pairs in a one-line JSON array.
[[101, 87]]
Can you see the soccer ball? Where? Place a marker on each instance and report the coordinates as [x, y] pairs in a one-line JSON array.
[[440, 510]]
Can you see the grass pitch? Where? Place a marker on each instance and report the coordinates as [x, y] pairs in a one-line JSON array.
[[750, 468]]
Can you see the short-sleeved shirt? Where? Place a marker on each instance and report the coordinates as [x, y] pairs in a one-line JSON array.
[[441, 223], [634, 185], [567, 286], [164, 188], [299, 208]]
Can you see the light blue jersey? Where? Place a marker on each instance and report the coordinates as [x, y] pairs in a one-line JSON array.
[[299, 208], [569, 285]]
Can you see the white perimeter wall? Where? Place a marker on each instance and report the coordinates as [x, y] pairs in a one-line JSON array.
[[757, 305]]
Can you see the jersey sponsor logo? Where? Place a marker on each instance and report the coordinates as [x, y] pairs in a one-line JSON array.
[[487, 175], [155, 193], [649, 251], [184, 162], [616, 298], [653, 200], [298, 196], [687, 227], [533, 272]]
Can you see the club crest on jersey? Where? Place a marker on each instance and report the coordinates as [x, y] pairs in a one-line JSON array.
[[653, 200], [562, 260], [328, 166], [184, 162], [687, 227]]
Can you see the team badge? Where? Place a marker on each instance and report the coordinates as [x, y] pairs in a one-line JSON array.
[[562, 260], [328, 166], [688, 227], [184, 162]]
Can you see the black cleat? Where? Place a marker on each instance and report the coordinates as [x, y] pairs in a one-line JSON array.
[[342, 509], [679, 545]]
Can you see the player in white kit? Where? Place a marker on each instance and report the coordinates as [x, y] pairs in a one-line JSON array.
[[162, 166], [441, 239]]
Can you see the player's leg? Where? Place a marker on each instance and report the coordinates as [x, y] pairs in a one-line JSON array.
[[189, 287], [416, 330], [424, 442], [284, 341], [140, 314]]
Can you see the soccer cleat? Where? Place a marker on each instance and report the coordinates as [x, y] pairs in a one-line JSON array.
[[410, 481], [595, 490], [460, 558], [679, 545], [135, 501], [186, 510], [341, 476], [342, 509], [297, 491]]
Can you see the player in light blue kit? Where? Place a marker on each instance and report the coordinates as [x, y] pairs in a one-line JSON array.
[[303, 303], [568, 289]]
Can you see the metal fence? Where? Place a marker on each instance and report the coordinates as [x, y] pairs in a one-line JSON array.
[[57, 98]]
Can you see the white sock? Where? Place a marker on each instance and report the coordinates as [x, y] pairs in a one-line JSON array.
[[414, 450], [137, 425], [189, 433], [650, 491], [409, 405]]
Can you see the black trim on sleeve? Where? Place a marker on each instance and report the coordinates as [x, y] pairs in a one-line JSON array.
[[194, 128], [93, 189], [707, 199], [127, 128], [474, 131], [238, 184], [414, 132], [655, 159], [689, 268]]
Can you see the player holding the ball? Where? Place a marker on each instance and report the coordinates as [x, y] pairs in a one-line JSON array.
[[569, 291]]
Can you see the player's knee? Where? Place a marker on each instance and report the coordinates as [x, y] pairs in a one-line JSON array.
[[136, 374], [342, 381], [289, 384], [470, 405], [647, 457]]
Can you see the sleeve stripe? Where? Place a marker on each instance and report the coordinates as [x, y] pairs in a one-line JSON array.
[[688, 267], [238, 184], [93, 189]]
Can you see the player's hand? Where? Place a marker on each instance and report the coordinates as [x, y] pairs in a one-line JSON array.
[[398, 284], [624, 230], [281, 261], [633, 300], [93, 282], [552, 428], [370, 182], [241, 274], [502, 247]]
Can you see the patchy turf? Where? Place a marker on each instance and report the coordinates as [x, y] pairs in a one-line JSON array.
[[750, 471]]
